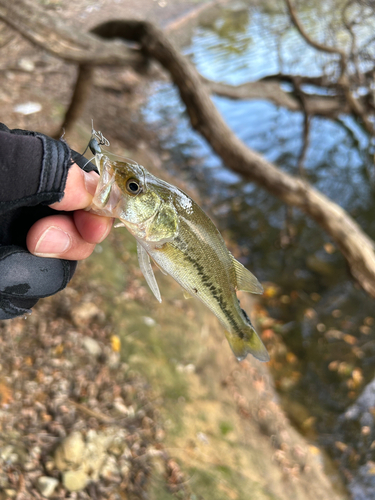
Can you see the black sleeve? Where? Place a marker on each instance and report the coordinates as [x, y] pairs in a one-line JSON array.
[[33, 172], [33, 169]]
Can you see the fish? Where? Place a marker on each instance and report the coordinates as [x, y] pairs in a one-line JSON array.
[[179, 237]]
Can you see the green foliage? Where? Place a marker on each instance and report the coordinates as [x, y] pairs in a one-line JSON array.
[[225, 428]]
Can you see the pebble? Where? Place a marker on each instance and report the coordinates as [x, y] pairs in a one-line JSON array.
[[85, 312], [124, 467], [113, 360], [70, 452], [118, 444], [10, 493], [110, 470], [92, 346], [7, 454], [46, 485], [27, 108], [26, 64], [75, 480], [82, 460], [118, 404], [3, 480]]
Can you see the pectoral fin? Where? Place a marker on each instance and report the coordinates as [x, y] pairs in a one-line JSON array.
[[160, 268], [246, 281], [164, 226], [148, 273]]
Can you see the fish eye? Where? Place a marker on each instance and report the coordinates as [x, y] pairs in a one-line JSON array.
[[133, 186]]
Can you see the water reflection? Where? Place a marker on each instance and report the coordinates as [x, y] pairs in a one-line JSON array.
[[279, 244]]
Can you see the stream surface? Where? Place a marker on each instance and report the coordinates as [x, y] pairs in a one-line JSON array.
[[327, 321]]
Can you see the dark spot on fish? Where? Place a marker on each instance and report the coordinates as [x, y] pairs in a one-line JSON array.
[[195, 290], [246, 317], [215, 292]]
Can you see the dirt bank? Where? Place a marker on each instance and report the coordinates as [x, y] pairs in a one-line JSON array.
[[153, 389]]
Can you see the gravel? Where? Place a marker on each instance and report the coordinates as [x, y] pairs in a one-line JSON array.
[[74, 419]]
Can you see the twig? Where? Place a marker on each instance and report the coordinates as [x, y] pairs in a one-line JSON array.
[[306, 126], [93, 413], [79, 98], [318, 46], [343, 79]]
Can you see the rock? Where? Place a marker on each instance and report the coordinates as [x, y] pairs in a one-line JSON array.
[[30, 465], [355, 430], [3, 480], [85, 312], [363, 404], [27, 108], [118, 404], [75, 480], [362, 487], [113, 360], [118, 444], [26, 64], [96, 451], [149, 321], [110, 470], [70, 452], [125, 467], [92, 346], [8, 454], [95, 457], [47, 485], [10, 493]]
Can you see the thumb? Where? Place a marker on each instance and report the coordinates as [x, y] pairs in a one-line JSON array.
[[79, 189]]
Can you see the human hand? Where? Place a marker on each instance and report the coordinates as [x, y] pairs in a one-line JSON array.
[[42, 197], [73, 235]]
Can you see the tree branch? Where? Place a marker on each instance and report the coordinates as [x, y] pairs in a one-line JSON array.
[[270, 90], [46, 32], [80, 95], [356, 246], [344, 81], [51, 34], [318, 46]]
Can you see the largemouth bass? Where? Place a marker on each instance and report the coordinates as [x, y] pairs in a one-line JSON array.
[[183, 242]]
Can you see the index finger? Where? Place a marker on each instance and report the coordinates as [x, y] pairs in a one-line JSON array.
[[79, 190]]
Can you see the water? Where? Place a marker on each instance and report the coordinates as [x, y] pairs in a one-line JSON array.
[[328, 321]]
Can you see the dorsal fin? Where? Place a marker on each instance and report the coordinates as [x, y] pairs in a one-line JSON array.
[[246, 281]]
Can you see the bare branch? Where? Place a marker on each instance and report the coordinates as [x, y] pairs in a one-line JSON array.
[[270, 90], [79, 97], [355, 106], [356, 246], [254, 90], [51, 34], [318, 46], [306, 126]]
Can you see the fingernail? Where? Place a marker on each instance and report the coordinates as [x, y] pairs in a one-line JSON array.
[[54, 241], [91, 181]]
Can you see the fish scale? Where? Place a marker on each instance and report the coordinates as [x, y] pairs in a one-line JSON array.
[[183, 241]]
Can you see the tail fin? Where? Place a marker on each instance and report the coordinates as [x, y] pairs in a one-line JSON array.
[[248, 343]]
